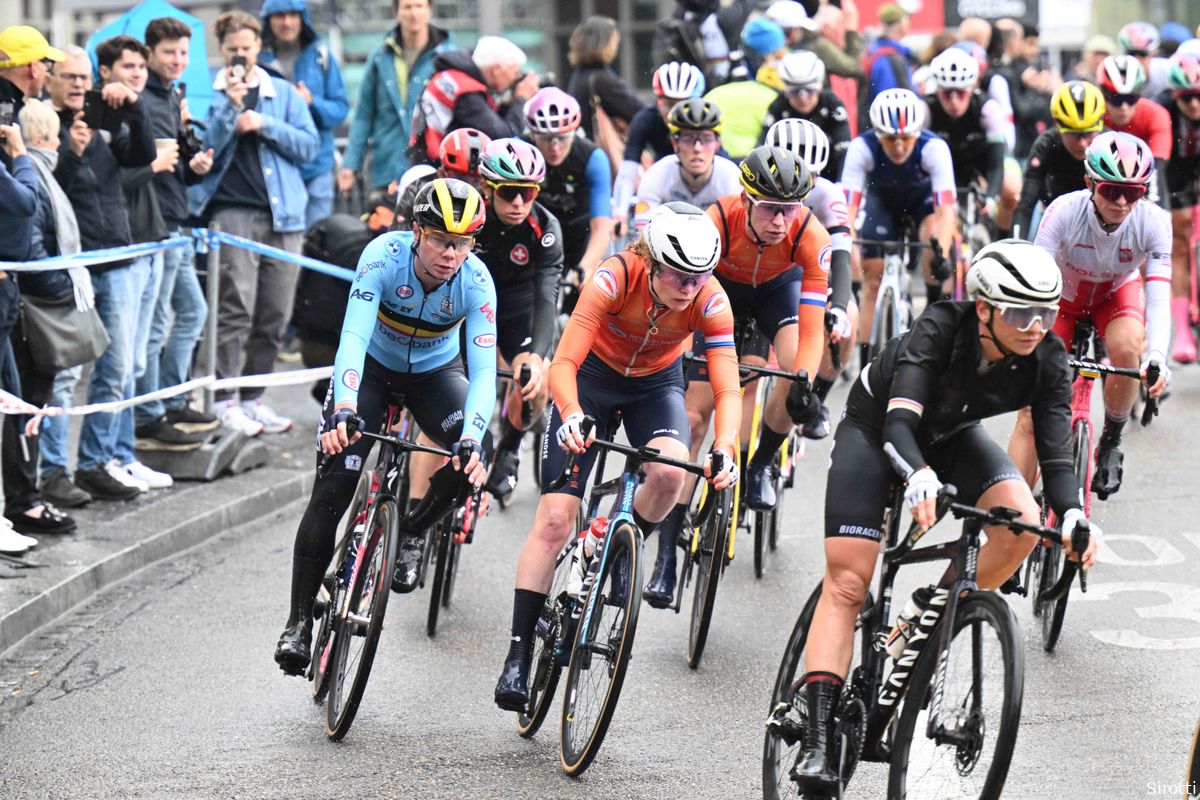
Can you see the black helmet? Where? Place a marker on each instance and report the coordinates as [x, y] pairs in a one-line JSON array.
[[694, 114], [450, 205], [774, 174]]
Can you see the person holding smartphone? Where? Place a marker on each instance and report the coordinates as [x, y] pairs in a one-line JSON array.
[[261, 133]]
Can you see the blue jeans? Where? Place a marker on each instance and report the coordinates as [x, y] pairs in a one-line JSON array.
[[118, 297], [320, 198], [169, 358], [52, 441], [145, 316]]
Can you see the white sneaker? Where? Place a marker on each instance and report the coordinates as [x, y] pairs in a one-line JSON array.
[[119, 474], [13, 543], [150, 477], [234, 417], [272, 422]]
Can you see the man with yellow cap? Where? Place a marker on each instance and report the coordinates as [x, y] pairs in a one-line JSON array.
[[25, 58]]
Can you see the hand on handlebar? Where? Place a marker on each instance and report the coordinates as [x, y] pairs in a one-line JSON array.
[[921, 494], [1071, 520], [721, 469], [837, 322], [939, 266], [341, 430], [802, 403], [571, 436], [1159, 386], [474, 471]]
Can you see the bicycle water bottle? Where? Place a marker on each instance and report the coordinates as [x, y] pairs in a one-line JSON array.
[[586, 547]]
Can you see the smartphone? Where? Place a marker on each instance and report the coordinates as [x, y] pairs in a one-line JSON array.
[[237, 67], [99, 115], [7, 110]]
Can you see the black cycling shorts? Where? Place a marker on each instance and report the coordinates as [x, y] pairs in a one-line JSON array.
[[514, 330], [650, 406], [1181, 186], [861, 476], [771, 306]]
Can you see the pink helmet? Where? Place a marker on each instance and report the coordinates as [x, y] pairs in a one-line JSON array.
[[512, 161], [552, 110], [1115, 157], [1139, 37]]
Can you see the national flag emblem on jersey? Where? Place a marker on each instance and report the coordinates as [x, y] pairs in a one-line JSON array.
[[824, 258], [719, 340], [606, 282], [715, 305], [1125, 255], [519, 255]]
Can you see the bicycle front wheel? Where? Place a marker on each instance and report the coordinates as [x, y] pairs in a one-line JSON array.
[[442, 543], [1055, 611], [358, 631], [978, 713], [709, 561], [883, 326], [601, 651]]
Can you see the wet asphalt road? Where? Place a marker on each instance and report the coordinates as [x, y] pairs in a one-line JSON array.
[[164, 685]]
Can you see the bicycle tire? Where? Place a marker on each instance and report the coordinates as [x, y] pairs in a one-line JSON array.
[[763, 521], [882, 324], [974, 611], [372, 583], [546, 668], [1056, 610], [442, 540], [1193, 777], [710, 560], [624, 559], [455, 557]]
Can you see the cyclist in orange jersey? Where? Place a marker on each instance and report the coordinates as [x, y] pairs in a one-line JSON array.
[[622, 351], [774, 266]]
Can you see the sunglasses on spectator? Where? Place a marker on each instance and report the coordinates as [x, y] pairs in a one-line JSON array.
[[1114, 99], [772, 209], [509, 192], [553, 138], [441, 241], [1186, 96], [954, 94], [802, 91], [677, 279], [1113, 192], [1023, 317], [704, 139]]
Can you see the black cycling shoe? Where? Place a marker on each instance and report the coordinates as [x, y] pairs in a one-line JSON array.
[[512, 690], [408, 563], [292, 653], [660, 590], [503, 479], [760, 486], [1109, 468], [815, 771], [817, 428]]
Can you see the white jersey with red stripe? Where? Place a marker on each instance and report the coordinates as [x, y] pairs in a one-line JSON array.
[[828, 204], [1096, 263], [929, 165]]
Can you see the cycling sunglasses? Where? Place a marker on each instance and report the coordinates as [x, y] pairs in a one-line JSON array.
[[1023, 317], [802, 91], [954, 94], [1187, 96], [509, 192], [1113, 192], [553, 138], [682, 280], [441, 241], [1082, 136], [772, 209], [892, 138], [705, 139], [1115, 99], [1137, 53]]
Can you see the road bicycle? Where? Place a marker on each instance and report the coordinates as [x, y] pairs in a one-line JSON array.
[[893, 312], [591, 633], [444, 553], [973, 234], [506, 377], [1048, 560], [945, 714]]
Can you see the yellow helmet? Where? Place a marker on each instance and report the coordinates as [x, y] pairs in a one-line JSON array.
[[1078, 107]]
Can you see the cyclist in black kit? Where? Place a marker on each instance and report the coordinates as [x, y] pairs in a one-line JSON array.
[[804, 97], [522, 245]]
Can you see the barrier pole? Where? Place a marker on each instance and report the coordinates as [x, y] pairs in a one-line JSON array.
[[212, 288]]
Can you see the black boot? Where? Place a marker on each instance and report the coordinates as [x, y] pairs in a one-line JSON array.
[[660, 590], [815, 771], [292, 654]]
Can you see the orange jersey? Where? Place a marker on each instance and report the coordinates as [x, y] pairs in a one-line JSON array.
[[618, 320], [807, 245]]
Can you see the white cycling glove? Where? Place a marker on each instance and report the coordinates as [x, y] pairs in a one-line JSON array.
[[841, 322], [922, 485], [1155, 357], [728, 467], [572, 426], [1071, 519]]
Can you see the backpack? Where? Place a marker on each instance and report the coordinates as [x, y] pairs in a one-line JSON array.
[[435, 111], [321, 299], [866, 90]]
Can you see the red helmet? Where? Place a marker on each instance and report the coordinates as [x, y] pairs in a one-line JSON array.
[[461, 151]]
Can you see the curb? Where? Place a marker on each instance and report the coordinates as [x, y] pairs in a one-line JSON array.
[[62, 597]]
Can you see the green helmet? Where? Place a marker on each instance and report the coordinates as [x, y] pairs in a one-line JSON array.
[[1185, 72], [1115, 157]]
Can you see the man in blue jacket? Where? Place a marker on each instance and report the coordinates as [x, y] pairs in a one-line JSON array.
[[387, 100], [261, 133], [887, 62], [292, 50]]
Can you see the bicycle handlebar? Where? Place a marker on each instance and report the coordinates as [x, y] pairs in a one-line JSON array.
[[1153, 372], [835, 352], [752, 372], [353, 425]]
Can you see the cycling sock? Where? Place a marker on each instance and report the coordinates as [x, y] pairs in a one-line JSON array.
[[527, 607], [933, 293], [1113, 426], [769, 443], [822, 677], [645, 525], [821, 387], [510, 436], [671, 526]]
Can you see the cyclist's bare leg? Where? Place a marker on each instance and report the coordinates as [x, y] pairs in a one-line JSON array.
[[749, 394], [1125, 338], [1010, 195], [872, 270], [553, 523], [1184, 346], [699, 403], [1004, 550], [849, 565], [421, 467], [1021, 448], [656, 496], [775, 415]]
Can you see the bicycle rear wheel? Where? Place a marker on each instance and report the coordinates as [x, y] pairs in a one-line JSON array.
[[358, 631], [980, 709], [597, 668], [442, 543], [550, 634], [710, 561]]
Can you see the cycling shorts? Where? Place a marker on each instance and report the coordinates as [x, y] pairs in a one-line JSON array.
[[1181, 187], [857, 490], [885, 218], [651, 406], [1128, 301], [514, 329], [746, 336]]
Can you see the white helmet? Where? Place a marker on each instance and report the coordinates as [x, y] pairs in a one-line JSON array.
[[954, 69], [802, 69], [1017, 273], [1120, 75], [897, 112], [802, 138], [678, 80], [683, 237]]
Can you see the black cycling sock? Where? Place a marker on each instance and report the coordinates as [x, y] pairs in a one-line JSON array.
[[821, 387], [822, 677], [769, 443], [671, 526], [856, 290], [510, 436], [645, 525], [1112, 430], [527, 607], [933, 293]]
